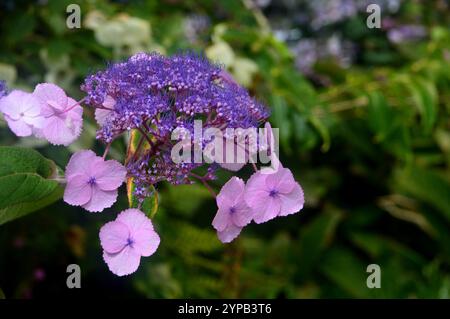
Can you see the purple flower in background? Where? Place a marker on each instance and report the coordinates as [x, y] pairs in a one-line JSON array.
[[63, 115], [157, 94], [273, 195], [22, 112], [92, 182], [195, 25], [126, 239], [233, 213], [406, 33], [308, 51], [327, 12]]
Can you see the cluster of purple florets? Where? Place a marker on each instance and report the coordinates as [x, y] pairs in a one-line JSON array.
[[3, 89], [157, 94]]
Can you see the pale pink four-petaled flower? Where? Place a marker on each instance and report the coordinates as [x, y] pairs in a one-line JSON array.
[[273, 195], [233, 213], [22, 112], [46, 113], [127, 239], [265, 197], [63, 115], [92, 182]]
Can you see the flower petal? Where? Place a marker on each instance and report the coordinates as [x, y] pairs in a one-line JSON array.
[[123, 263], [256, 190], [110, 175], [231, 190], [243, 214], [282, 180], [20, 128], [269, 211], [36, 122], [135, 220], [222, 218], [78, 192], [146, 241], [100, 200], [114, 237], [9, 105], [292, 202], [62, 129], [234, 167], [229, 234], [19, 103], [101, 116], [79, 163], [51, 94]]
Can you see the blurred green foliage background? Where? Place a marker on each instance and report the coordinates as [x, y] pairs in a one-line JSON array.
[[368, 140]]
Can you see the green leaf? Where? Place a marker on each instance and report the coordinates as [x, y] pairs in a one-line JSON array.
[[425, 97], [280, 119], [149, 206], [320, 126], [379, 115], [44, 194], [25, 183], [427, 186], [347, 271], [2, 294], [315, 238], [22, 160]]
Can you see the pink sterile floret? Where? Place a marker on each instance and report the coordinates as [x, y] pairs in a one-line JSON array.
[[63, 115], [233, 213], [126, 239], [22, 113], [92, 182], [272, 195]]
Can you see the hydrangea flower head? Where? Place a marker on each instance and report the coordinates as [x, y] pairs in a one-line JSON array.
[[63, 115], [273, 195], [157, 94], [233, 213], [22, 112], [126, 239], [92, 182]]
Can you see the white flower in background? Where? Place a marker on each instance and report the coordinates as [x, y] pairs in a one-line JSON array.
[[125, 34], [242, 69], [222, 53]]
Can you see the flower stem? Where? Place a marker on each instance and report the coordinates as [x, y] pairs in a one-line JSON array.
[[76, 104], [205, 183], [106, 150], [146, 137]]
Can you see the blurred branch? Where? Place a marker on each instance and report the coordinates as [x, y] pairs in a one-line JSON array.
[[259, 16], [404, 208]]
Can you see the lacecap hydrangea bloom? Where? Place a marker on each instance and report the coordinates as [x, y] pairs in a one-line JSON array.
[[157, 94], [152, 96]]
